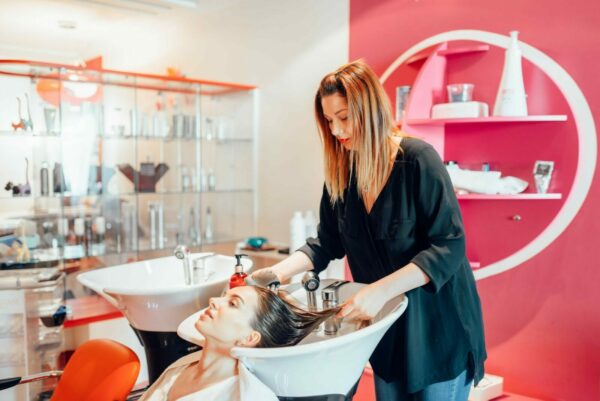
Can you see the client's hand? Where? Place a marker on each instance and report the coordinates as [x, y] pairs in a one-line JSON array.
[[364, 305]]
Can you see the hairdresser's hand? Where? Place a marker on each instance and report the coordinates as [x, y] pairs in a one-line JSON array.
[[365, 304], [263, 277]]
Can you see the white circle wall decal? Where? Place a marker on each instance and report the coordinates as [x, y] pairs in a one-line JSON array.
[[586, 131]]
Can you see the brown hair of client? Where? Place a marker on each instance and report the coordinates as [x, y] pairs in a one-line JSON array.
[[281, 323]]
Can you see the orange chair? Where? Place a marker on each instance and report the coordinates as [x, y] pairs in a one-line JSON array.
[[99, 370]]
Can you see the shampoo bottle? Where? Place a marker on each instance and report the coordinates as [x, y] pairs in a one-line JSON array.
[[237, 278]]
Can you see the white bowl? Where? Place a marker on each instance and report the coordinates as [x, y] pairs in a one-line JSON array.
[[320, 364], [152, 294]]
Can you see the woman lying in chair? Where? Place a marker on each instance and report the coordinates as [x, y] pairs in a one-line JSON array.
[[245, 317]]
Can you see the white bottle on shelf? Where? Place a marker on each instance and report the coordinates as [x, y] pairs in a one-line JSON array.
[[310, 224], [208, 226], [297, 232], [511, 99], [212, 180], [79, 229], [203, 180]]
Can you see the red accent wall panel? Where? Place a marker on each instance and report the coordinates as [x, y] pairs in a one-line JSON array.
[[542, 319]]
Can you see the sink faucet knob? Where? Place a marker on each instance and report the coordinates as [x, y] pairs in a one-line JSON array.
[[180, 251], [311, 282]]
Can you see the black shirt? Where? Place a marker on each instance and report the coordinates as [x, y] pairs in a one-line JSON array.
[[416, 218]]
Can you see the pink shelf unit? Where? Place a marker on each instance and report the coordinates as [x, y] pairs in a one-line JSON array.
[[446, 121], [454, 51], [418, 58], [459, 50], [510, 197], [511, 144]]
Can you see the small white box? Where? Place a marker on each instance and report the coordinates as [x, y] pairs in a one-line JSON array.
[[488, 388], [459, 110]]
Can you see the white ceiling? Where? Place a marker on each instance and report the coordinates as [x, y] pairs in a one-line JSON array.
[[59, 29]]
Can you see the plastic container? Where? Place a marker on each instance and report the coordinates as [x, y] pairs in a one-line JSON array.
[[511, 99], [297, 232], [310, 224], [460, 92]]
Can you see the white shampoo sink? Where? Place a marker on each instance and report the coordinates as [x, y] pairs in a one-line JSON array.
[[321, 364], [152, 294]]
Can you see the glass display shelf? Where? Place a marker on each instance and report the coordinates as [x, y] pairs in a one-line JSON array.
[[27, 134], [115, 134], [120, 194], [125, 79], [42, 134], [52, 257], [177, 139]]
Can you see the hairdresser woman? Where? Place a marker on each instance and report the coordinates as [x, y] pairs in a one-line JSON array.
[[388, 205]]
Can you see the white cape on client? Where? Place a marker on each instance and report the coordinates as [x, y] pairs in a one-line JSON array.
[[244, 387]]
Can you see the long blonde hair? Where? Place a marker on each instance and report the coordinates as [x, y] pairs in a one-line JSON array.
[[373, 126]]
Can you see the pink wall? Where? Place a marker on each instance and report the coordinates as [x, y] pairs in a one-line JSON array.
[[542, 319]]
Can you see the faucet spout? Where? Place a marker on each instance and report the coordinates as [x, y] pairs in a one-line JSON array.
[[331, 297], [183, 252]]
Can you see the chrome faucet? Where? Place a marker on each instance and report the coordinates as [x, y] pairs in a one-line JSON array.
[[183, 252], [331, 296], [311, 282], [200, 272]]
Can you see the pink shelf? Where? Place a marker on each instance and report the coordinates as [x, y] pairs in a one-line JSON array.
[[510, 197], [418, 57], [456, 51], [515, 397], [463, 50], [527, 119]]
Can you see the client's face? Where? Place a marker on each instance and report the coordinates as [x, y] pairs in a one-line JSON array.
[[227, 319]]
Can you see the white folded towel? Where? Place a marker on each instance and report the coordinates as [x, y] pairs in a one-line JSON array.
[[485, 182]]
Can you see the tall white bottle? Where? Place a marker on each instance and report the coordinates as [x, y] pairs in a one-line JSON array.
[[511, 99], [310, 224], [297, 232], [297, 239], [208, 226]]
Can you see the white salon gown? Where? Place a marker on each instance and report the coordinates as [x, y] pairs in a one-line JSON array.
[[244, 387]]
